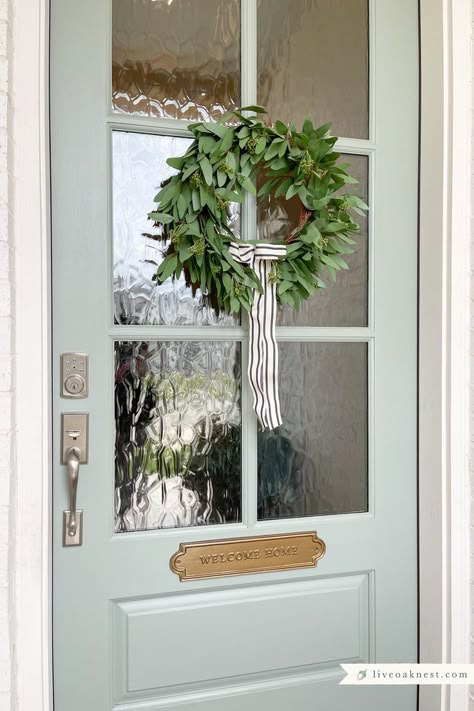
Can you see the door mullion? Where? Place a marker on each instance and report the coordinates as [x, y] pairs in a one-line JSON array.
[[248, 231]]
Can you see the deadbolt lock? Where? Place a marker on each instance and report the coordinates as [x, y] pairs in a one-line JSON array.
[[74, 375]]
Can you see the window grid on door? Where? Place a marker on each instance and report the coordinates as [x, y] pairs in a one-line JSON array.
[[305, 334]]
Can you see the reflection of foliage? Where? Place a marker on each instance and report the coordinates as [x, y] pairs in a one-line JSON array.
[[174, 423], [281, 483]]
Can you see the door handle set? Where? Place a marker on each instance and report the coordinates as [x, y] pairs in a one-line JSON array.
[[75, 426]]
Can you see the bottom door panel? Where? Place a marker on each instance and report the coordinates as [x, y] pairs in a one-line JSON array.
[[201, 641]]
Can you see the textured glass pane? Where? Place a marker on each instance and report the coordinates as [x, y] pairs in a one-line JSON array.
[[178, 434], [316, 462], [343, 303], [139, 166], [176, 59], [313, 59]]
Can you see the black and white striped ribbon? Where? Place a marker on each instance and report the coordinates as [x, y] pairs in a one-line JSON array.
[[263, 349]]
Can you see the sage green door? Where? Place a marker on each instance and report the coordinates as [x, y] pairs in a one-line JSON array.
[[175, 455]]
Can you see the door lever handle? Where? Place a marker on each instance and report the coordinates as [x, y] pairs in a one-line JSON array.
[[73, 457], [74, 452]]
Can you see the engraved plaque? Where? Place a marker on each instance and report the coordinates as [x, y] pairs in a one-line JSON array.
[[240, 556]]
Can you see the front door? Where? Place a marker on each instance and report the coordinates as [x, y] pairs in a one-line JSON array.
[[174, 452]]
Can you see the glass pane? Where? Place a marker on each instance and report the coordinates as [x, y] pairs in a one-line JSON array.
[[176, 59], [344, 302], [178, 434], [139, 166], [316, 462], [313, 59]]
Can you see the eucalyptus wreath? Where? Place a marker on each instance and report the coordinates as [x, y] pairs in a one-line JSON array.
[[224, 162]]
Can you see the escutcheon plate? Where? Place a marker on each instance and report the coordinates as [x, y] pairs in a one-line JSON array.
[[240, 556]]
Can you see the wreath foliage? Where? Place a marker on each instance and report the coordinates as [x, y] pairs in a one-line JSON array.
[[221, 165]]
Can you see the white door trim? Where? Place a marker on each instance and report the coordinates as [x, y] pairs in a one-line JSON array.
[[31, 563], [444, 355], [445, 180]]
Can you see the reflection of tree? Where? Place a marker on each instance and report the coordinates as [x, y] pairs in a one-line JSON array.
[[181, 427], [284, 490]]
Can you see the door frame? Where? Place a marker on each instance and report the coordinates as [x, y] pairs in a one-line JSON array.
[[444, 315]]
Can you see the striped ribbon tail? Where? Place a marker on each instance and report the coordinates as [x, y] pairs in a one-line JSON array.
[[263, 348]]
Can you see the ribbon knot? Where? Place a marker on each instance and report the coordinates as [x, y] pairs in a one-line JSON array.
[[263, 349]]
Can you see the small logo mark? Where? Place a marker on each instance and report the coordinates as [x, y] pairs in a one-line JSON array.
[[362, 674]]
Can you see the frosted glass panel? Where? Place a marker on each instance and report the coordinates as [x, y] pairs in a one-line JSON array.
[[178, 59], [178, 434], [313, 59], [139, 166], [341, 303], [316, 462]]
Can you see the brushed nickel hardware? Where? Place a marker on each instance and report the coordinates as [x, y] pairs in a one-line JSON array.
[[74, 375], [74, 453]]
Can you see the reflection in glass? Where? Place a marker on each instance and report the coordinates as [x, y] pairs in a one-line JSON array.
[[178, 59], [343, 303], [313, 59], [178, 434], [316, 462], [139, 166]]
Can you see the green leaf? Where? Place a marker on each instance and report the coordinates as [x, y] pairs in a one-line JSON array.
[[166, 193], [221, 178], [193, 229], [195, 200], [247, 184], [160, 217], [235, 265], [190, 170], [176, 162], [339, 261], [206, 170], [227, 281], [304, 196], [184, 253], [355, 201], [349, 179], [308, 126], [216, 128], [287, 298], [291, 192], [267, 187], [231, 161], [283, 148], [280, 164], [203, 195], [260, 147], [293, 246], [206, 144], [281, 128], [329, 261], [283, 187], [181, 204], [284, 286], [272, 150], [322, 130], [335, 227], [227, 141], [254, 107], [167, 267]]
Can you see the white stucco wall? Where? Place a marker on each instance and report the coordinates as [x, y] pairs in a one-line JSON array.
[[7, 453]]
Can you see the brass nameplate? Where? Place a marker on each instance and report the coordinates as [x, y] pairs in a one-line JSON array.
[[240, 556]]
